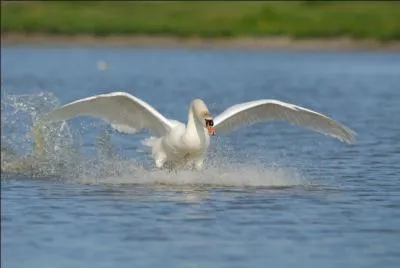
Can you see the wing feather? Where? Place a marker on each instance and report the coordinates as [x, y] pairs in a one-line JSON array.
[[267, 110], [123, 111]]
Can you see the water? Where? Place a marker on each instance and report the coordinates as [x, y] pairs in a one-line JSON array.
[[270, 195]]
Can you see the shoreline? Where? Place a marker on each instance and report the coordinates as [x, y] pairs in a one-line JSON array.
[[252, 43]]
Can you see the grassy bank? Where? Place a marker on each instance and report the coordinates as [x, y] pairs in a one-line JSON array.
[[304, 19]]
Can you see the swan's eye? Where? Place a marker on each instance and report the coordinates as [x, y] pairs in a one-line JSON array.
[[209, 123]]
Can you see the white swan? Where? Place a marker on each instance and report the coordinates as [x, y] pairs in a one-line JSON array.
[[177, 144]]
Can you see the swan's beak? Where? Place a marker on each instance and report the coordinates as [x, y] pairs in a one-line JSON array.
[[210, 127], [211, 131]]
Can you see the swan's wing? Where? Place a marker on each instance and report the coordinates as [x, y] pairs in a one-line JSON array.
[[266, 110], [123, 111]]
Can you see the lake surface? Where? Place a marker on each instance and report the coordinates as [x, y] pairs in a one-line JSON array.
[[271, 194]]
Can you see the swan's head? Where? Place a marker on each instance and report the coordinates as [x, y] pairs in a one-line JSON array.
[[203, 115]]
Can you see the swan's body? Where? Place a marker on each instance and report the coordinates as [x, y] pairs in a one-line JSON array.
[[176, 144]]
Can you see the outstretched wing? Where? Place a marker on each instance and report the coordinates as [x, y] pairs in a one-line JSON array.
[[267, 110], [123, 111]]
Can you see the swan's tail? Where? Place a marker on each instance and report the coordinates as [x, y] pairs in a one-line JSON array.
[[157, 150], [150, 142], [155, 145]]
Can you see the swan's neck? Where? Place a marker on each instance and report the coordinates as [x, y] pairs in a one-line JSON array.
[[194, 129]]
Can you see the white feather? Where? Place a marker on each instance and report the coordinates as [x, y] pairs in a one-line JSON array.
[[123, 111], [266, 110]]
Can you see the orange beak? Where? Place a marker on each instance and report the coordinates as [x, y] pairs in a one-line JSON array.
[[210, 126], [211, 130]]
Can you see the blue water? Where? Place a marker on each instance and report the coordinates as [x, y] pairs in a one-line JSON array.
[[270, 195]]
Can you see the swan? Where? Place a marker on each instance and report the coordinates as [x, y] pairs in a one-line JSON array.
[[174, 144]]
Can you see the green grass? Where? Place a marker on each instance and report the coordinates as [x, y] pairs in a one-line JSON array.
[[303, 19]]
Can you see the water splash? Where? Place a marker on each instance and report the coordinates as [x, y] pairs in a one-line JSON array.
[[29, 147], [235, 175], [54, 150]]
